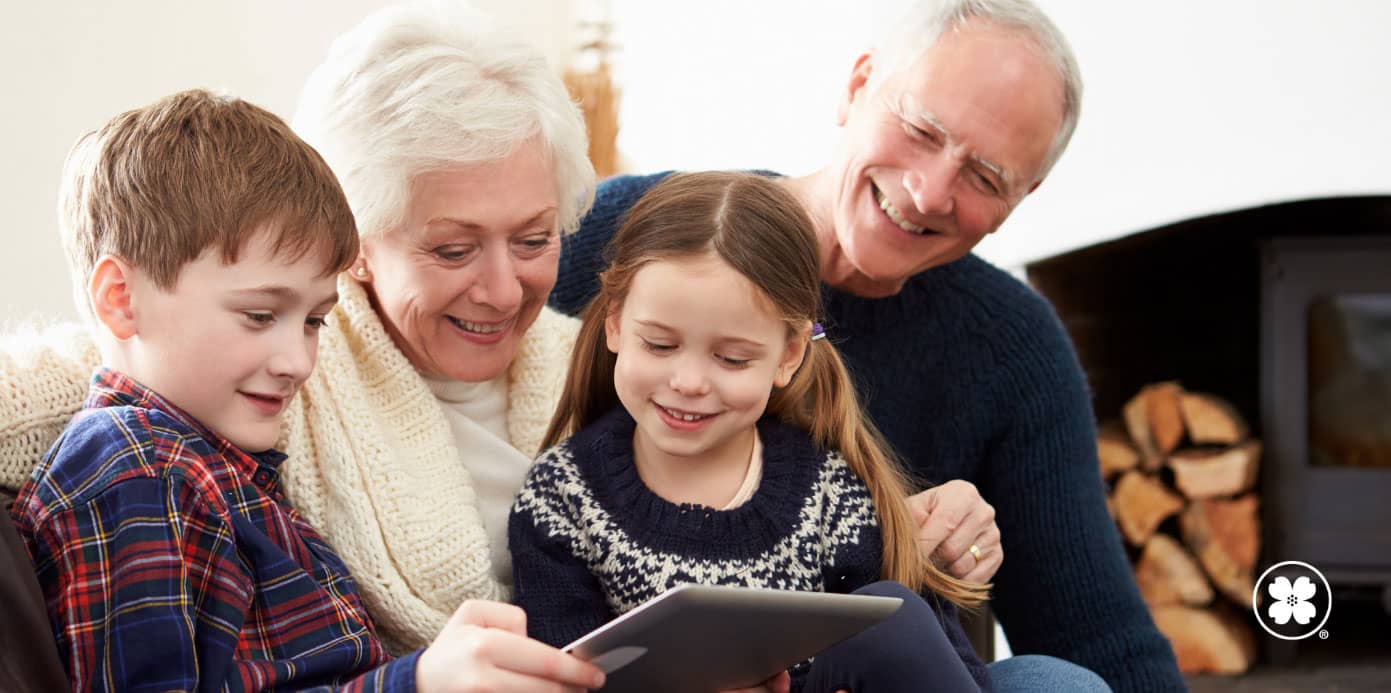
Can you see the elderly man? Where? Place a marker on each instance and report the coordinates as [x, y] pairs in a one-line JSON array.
[[946, 127]]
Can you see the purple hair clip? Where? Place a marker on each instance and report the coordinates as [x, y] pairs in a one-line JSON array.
[[817, 331]]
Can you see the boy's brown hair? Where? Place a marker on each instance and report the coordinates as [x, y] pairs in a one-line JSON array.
[[160, 185]]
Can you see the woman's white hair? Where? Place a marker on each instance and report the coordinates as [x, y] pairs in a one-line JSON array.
[[430, 86], [924, 21]]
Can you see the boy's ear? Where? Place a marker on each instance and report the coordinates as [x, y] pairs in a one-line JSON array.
[[110, 294], [611, 333], [792, 357]]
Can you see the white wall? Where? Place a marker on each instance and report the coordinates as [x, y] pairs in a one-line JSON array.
[[1191, 106], [69, 66]]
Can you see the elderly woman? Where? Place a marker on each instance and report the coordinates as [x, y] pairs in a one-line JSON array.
[[464, 160]]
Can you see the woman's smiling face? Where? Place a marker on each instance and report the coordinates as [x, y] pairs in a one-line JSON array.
[[458, 283]]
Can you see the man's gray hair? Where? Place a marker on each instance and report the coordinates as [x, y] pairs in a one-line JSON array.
[[924, 21], [431, 86]]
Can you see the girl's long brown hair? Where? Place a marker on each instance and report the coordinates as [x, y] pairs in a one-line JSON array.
[[761, 231]]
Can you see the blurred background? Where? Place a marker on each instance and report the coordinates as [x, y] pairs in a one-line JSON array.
[[1191, 107]]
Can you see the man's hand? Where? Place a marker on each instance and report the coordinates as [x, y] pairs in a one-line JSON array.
[[484, 648], [952, 518]]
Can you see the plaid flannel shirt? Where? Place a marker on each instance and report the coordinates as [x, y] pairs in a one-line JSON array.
[[170, 561]]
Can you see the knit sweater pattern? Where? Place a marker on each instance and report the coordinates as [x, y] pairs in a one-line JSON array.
[[584, 511], [372, 463], [591, 542], [969, 375]]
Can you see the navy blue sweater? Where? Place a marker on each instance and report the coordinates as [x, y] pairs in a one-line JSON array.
[[590, 541], [970, 375]]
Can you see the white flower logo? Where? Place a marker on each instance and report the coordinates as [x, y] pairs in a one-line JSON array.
[[1292, 600]]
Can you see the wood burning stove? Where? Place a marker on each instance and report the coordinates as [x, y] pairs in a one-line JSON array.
[[1285, 311], [1325, 354]]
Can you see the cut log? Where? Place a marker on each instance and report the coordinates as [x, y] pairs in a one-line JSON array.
[[1137, 424], [1211, 420], [1165, 415], [1141, 503], [1167, 574], [1114, 450], [1210, 641], [1206, 473], [1226, 537]]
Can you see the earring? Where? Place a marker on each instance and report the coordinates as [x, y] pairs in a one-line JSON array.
[[361, 272]]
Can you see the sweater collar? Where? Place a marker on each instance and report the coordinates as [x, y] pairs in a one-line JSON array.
[[791, 465]]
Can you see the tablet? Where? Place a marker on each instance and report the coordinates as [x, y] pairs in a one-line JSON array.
[[703, 638]]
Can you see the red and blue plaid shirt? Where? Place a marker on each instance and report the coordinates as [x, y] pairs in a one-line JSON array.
[[169, 560]]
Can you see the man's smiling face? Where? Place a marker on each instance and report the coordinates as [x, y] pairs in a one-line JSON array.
[[938, 155]]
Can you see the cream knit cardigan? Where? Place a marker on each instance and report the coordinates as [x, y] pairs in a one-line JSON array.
[[373, 462]]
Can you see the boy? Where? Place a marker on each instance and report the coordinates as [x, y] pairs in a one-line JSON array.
[[204, 239]]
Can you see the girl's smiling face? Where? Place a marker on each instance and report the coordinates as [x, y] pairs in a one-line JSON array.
[[699, 349]]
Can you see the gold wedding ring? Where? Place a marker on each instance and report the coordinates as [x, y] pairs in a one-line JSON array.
[[975, 552]]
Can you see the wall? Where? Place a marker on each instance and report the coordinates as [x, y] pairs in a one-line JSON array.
[[71, 65], [1191, 106]]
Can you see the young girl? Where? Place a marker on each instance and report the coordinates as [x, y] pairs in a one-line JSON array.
[[714, 437]]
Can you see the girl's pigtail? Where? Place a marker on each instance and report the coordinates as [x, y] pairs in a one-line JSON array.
[[821, 399], [588, 390]]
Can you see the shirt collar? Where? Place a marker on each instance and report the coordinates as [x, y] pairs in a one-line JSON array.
[[111, 388]]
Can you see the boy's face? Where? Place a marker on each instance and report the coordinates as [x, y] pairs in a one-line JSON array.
[[230, 344]]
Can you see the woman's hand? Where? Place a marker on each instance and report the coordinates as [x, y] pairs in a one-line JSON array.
[[951, 519], [484, 647]]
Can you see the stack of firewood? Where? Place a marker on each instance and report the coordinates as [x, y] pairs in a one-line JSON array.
[[1181, 469]]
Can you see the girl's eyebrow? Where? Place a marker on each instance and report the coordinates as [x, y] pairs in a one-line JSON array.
[[656, 324]]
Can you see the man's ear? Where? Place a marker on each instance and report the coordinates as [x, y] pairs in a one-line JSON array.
[[792, 356], [855, 88], [611, 333], [110, 294]]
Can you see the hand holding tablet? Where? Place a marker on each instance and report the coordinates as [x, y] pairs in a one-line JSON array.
[[702, 638]]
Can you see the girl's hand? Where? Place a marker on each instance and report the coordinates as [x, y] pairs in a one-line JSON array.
[[484, 647], [951, 519]]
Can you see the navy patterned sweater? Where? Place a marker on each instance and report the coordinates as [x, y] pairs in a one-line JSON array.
[[590, 541], [969, 375]]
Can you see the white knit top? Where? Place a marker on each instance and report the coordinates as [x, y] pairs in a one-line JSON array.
[[477, 416]]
